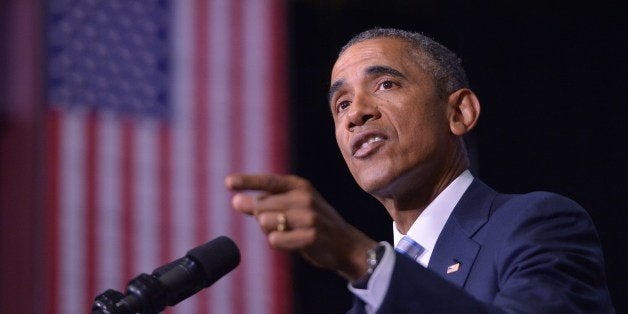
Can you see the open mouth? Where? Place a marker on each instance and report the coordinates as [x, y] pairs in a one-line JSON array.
[[365, 144]]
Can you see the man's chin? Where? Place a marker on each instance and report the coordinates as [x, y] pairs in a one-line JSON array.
[[373, 184]]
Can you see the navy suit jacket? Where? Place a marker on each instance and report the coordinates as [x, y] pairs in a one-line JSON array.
[[528, 253]]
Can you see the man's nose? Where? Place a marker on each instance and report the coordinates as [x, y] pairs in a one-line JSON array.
[[363, 109]]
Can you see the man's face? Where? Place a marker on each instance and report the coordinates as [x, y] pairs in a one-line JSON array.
[[391, 126]]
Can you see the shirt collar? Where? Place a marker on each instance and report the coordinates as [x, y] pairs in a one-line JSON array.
[[427, 227]]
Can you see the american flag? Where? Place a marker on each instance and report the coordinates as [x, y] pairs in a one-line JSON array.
[[150, 105]]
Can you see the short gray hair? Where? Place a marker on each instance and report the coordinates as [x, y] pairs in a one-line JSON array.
[[440, 62]]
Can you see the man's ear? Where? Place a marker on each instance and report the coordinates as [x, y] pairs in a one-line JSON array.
[[464, 111]]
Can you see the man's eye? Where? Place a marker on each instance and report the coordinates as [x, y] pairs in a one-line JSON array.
[[343, 105], [387, 85]]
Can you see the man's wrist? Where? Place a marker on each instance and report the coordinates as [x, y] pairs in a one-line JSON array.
[[373, 257]]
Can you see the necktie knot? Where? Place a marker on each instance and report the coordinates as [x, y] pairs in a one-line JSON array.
[[410, 248]]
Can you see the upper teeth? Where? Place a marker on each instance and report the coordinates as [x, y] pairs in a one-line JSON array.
[[371, 140]]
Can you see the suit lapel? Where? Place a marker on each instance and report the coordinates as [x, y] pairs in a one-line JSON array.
[[455, 250], [453, 256]]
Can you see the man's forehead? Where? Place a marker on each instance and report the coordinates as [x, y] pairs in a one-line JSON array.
[[360, 56]]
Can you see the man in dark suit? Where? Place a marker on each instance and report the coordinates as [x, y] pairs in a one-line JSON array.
[[401, 104]]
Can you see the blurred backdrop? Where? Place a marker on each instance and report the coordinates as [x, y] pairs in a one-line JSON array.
[[551, 78]]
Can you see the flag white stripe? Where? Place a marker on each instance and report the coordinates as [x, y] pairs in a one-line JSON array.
[[145, 200], [108, 206], [256, 86], [182, 214], [257, 146], [220, 87], [72, 212]]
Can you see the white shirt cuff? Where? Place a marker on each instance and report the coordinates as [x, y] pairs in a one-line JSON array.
[[378, 283]]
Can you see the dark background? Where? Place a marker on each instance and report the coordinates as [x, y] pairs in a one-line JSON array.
[[551, 78]]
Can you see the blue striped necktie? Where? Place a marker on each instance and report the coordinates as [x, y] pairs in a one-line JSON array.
[[410, 248]]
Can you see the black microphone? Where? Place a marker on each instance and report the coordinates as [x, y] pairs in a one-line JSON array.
[[173, 282]]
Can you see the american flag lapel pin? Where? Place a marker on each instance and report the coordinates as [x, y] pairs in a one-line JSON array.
[[453, 268]]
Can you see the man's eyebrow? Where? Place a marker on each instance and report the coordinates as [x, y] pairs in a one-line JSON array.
[[334, 88], [382, 69], [374, 70]]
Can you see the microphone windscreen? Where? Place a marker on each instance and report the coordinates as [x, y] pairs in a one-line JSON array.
[[216, 258]]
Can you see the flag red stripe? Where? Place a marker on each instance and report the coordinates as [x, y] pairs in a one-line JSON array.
[[52, 212], [282, 291], [236, 129], [165, 188], [200, 116], [165, 195], [91, 262]]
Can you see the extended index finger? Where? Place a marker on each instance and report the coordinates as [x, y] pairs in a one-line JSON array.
[[272, 183]]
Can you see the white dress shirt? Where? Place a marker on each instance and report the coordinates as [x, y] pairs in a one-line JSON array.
[[425, 231], [427, 227]]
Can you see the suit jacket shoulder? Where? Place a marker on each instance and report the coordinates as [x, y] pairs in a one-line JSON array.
[[532, 253]]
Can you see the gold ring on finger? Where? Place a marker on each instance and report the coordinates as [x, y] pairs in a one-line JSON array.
[[281, 222]]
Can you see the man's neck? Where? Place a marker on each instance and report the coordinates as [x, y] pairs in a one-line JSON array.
[[404, 208]]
